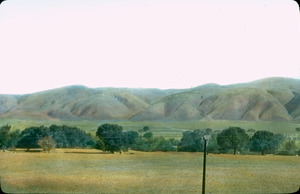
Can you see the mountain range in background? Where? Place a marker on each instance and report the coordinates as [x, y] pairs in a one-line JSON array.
[[270, 99]]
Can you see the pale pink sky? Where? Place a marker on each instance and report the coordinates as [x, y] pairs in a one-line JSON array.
[[145, 43]]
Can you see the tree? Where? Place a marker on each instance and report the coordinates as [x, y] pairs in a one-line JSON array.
[[112, 137], [100, 144], [4, 136], [233, 138], [265, 141], [145, 129], [192, 141], [154, 144], [148, 135], [8, 139], [64, 136], [164, 145], [131, 137], [30, 137], [67, 136], [141, 144], [174, 142], [290, 146], [187, 143], [47, 143], [14, 138]]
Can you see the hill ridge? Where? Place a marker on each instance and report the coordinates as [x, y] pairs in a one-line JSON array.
[[269, 99]]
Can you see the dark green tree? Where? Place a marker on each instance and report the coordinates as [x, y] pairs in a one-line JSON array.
[[100, 144], [113, 137], [148, 135], [233, 138], [141, 144], [130, 137], [187, 143], [64, 136], [8, 139], [14, 138], [265, 141], [30, 137], [174, 142], [192, 141], [4, 136], [143, 130], [146, 128]]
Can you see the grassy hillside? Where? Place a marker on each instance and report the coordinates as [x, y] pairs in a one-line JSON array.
[[230, 104], [293, 106], [77, 103], [272, 99]]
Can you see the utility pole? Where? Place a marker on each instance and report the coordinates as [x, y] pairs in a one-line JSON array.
[[205, 138]]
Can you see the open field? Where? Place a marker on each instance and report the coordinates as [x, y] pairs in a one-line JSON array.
[[91, 171], [165, 129]]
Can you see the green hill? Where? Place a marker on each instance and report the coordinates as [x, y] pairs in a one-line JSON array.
[[271, 99]]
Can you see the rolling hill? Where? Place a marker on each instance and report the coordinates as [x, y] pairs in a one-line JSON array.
[[79, 102], [270, 99]]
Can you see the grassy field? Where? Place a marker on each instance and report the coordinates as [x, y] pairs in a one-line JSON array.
[[91, 171], [165, 129]]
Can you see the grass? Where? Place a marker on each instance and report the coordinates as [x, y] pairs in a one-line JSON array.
[[90, 171], [165, 129]]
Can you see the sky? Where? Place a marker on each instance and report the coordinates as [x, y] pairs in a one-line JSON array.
[[145, 43]]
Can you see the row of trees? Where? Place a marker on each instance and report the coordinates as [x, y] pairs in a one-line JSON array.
[[232, 138], [236, 139], [45, 137], [111, 138]]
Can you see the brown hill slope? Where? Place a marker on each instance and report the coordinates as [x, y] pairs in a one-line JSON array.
[[78, 102], [272, 99]]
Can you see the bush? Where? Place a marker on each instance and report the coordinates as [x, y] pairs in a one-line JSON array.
[[153, 144], [47, 143]]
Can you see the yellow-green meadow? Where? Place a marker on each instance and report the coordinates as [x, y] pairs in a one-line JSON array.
[[92, 171]]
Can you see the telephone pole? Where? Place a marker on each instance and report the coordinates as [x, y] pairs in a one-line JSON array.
[[205, 138]]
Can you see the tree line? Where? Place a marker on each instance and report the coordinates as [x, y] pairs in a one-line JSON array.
[[111, 138], [46, 137], [233, 139]]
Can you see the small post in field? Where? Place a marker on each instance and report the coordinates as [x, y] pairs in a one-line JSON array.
[[206, 138]]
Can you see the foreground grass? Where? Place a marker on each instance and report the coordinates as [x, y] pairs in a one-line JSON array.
[[91, 171]]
